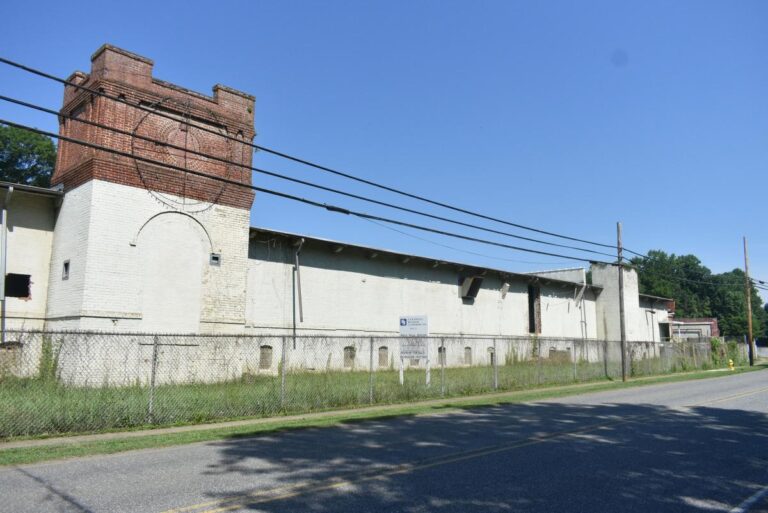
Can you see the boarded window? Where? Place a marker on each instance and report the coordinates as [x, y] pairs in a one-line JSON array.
[[441, 355], [534, 309], [383, 356], [467, 355], [349, 356], [17, 285], [265, 357]]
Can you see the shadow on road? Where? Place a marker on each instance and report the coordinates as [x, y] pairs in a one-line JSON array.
[[525, 457]]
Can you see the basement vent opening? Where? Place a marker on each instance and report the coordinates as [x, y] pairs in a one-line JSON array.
[[216, 259], [265, 357], [18, 285], [349, 356], [383, 356], [441, 360]]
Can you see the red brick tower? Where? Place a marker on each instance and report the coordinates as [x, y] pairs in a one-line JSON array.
[[196, 121], [147, 247]]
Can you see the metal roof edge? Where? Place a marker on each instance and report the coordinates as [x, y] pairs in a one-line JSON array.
[[528, 277], [32, 189]]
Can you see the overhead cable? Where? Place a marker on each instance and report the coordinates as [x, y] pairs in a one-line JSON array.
[[326, 206], [307, 162], [291, 179]]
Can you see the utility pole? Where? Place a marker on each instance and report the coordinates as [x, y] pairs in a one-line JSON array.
[[622, 322], [748, 293]]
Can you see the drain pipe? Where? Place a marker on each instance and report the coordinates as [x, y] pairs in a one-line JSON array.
[[580, 301], [297, 288], [4, 260]]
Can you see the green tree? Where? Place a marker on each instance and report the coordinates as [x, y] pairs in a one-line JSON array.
[[682, 278], [731, 306], [26, 157], [699, 293]]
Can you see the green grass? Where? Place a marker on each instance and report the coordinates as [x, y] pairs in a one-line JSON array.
[[44, 407], [63, 448]]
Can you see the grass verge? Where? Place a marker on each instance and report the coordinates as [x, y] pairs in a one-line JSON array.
[[113, 443]]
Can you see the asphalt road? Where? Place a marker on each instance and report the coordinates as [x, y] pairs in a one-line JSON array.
[[693, 446]]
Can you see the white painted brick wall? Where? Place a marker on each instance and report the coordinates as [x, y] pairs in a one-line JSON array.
[[30, 238], [351, 294], [97, 227]]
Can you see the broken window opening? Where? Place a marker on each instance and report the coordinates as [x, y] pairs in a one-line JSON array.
[[18, 285], [534, 309]]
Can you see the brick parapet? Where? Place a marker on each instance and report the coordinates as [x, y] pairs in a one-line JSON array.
[[129, 76]]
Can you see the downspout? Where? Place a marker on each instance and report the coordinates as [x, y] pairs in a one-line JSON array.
[[4, 260], [580, 295], [297, 288]]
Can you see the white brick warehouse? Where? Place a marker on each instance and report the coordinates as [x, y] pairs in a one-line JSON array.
[[123, 246]]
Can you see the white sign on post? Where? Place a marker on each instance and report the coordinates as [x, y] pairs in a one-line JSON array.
[[414, 329]]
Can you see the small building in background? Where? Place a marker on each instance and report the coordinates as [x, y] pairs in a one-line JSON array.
[[697, 328]]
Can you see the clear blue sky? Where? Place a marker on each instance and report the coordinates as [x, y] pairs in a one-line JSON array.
[[568, 116]]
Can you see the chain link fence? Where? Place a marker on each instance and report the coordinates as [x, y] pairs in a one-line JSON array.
[[68, 382]]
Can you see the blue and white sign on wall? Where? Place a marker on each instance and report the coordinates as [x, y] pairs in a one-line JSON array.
[[414, 326]]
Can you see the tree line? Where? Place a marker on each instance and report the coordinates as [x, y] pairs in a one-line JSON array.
[[700, 293]]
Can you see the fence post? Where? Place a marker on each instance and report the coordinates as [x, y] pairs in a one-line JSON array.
[[370, 378], [693, 347], [282, 374], [442, 356], [605, 358], [575, 376], [538, 361], [152, 377], [495, 367]]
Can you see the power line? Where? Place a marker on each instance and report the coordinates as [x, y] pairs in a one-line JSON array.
[[331, 208], [447, 246], [291, 179], [307, 162]]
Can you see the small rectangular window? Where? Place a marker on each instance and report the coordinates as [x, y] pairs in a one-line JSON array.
[[216, 259], [65, 270], [18, 285]]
